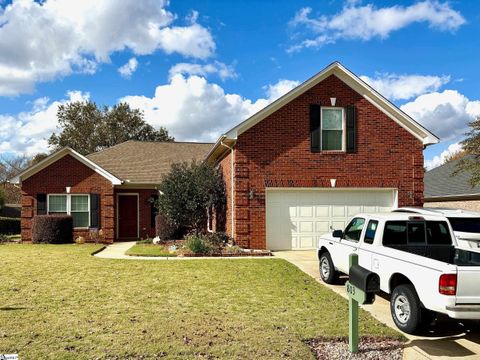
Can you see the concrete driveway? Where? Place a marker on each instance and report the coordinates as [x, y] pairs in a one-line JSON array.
[[447, 339]]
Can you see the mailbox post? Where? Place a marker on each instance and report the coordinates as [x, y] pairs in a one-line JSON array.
[[361, 289], [352, 310]]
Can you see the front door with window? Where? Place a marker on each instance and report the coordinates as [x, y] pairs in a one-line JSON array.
[[127, 216]]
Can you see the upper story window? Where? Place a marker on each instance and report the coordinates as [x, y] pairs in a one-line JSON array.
[[332, 129]]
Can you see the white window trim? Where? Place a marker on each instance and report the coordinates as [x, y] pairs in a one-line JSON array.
[[344, 126], [69, 207]]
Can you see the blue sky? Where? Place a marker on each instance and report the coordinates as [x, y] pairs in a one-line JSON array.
[[200, 67]]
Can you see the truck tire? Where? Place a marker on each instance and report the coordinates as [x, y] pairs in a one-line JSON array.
[[406, 309], [327, 269]]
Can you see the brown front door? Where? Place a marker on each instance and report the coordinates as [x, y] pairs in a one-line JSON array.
[[127, 216]]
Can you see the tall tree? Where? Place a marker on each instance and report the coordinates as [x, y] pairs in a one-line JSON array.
[[86, 128], [471, 148]]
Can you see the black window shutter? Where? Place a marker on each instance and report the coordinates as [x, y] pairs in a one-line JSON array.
[[41, 204], [315, 128], [351, 129], [95, 211], [153, 210]]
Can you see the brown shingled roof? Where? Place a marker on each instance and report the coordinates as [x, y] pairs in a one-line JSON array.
[[146, 162]]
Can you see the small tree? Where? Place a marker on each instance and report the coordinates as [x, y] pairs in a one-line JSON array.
[[188, 191], [471, 146]]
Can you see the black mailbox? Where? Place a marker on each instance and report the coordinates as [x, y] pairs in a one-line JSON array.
[[365, 280]]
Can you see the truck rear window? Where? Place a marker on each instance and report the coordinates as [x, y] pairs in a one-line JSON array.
[[471, 225], [416, 233]]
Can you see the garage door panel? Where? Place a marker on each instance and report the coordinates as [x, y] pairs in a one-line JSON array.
[[322, 226], [338, 225], [306, 226], [322, 211], [295, 218], [338, 211], [352, 210]]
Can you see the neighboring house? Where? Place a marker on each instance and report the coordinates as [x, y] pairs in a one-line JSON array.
[[443, 189], [112, 190], [329, 149]]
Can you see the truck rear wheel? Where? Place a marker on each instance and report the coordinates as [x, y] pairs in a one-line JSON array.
[[405, 308], [327, 269]]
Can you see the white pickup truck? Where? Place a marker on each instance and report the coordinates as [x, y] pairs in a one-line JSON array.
[[417, 261]]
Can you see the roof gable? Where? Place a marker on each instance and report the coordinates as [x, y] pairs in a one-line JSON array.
[[349, 78], [32, 170]]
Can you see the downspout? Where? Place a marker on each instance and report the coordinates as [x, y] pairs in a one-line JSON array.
[[232, 187]]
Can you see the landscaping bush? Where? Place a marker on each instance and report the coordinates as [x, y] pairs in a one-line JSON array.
[[188, 190], [4, 239], [52, 229], [164, 227], [197, 244], [9, 225]]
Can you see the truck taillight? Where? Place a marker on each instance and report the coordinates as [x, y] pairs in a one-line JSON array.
[[447, 285]]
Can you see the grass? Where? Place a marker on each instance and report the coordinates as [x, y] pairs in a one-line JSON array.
[[149, 250], [58, 302]]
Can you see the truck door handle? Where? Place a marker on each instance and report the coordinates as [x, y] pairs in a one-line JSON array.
[[331, 243]]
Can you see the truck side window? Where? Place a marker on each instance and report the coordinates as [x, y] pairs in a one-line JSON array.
[[370, 232], [438, 233], [354, 229], [395, 233]]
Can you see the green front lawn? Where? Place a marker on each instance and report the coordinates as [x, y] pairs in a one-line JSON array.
[[57, 301], [149, 250]]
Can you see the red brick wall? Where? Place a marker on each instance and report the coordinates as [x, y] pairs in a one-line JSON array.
[[145, 229], [68, 172], [276, 153]]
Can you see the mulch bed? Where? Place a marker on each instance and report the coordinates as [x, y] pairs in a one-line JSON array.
[[369, 348], [266, 253]]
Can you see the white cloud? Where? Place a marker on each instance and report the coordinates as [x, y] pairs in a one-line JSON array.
[[40, 41], [446, 113], [129, 68], [440, 159], [366, 22], [222, 70], [27, 132], [193, 109], [404, 87]]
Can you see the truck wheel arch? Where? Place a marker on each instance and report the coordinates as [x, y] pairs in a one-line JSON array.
[[397, 279], [322, 250]]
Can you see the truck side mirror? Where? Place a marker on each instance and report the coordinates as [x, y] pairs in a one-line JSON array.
[[337, 233]]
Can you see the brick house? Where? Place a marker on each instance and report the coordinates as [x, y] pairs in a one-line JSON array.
[[330, 148], [327, 150], [112, 190]]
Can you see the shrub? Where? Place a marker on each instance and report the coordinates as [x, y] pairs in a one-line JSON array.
[[218, 239], [197, 244], [164, 227], [188, 190], [9, 225], [52, 229], [2, 198], [4, 239]]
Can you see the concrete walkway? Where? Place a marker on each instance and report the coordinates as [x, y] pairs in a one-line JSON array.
[[447, 339], [117, 251]]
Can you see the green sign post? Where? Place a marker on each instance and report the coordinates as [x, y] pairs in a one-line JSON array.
[[355, 295]]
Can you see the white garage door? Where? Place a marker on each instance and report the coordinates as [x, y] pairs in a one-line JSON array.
[[295, 218]]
